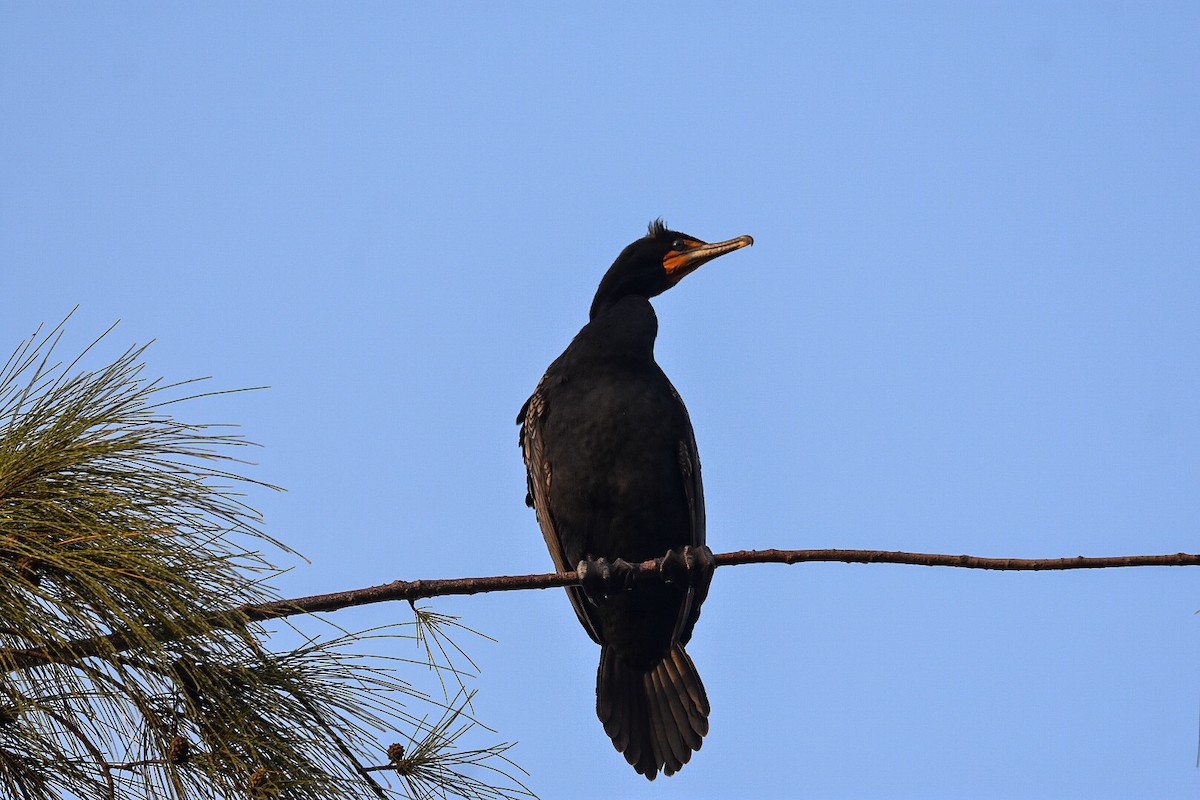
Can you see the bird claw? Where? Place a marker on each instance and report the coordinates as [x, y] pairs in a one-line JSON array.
[[701, 564], [623, 575], [673, 567], [594, 575], [691, 566], [600, 578]]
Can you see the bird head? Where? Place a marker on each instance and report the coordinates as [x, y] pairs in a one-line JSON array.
[[656, 262]]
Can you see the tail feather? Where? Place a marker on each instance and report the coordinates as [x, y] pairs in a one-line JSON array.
[[675, 751], [656, 718], [686, 739], [697, 709]]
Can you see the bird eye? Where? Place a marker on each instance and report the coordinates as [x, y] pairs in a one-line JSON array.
[[677, 244]]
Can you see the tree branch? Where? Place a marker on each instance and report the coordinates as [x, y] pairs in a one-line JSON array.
[[414, 590]]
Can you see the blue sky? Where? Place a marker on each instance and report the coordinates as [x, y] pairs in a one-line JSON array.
[[969, 324]]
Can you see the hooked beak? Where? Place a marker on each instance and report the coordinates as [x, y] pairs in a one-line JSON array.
[[680, 263]]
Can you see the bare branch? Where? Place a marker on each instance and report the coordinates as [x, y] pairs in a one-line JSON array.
[[414, 590], [72, 652], [966, 562]]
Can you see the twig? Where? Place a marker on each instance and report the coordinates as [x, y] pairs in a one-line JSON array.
[[412, 590], [89, 745]]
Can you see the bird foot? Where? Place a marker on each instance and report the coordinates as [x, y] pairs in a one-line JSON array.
[[691, 566], [600, 578]]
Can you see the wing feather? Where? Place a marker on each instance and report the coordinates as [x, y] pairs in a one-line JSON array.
[[693, 489], [539, 474]]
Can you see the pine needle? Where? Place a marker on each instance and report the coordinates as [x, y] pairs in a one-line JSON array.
[[116, 517]]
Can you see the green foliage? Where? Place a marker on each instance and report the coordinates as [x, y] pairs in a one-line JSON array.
[[125, 668]]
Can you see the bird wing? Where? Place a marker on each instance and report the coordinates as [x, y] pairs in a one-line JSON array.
[[539, 473], [693, 489]]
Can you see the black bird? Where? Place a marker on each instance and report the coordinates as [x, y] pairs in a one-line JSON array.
[[614, 477]]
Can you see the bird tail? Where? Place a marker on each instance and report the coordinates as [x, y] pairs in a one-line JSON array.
[[656, 718]]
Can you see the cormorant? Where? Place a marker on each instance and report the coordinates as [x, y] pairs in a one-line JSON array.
[[614, 477]]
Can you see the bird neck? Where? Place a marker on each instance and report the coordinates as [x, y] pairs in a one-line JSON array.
[[625, 329], [619, 285]]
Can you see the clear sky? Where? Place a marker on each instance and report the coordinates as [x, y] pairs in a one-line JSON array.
[[970, 324]]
